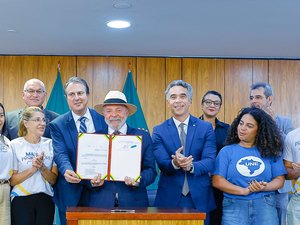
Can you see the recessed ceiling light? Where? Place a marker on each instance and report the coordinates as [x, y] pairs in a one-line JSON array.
[[11, 31], [122, 5], [118, 24]]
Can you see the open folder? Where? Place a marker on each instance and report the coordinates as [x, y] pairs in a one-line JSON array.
[[114, 156]]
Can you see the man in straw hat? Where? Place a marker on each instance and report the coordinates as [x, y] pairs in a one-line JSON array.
[[130, 193]]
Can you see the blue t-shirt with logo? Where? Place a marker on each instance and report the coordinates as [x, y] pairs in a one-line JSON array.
[[240, 165]]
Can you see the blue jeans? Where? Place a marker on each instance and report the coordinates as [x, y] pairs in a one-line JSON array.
[[250, 212]]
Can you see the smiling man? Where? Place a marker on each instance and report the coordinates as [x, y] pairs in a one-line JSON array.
[[64, 132], [129, 193], [34, 94], [185, 151]]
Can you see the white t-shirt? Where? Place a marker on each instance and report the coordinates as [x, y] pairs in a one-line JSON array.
[[23, 153], [291, 152], [6, 159]]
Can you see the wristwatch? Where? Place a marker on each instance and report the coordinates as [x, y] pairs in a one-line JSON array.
[[191, 168]]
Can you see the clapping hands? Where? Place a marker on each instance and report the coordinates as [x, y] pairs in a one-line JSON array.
[[181, 161]]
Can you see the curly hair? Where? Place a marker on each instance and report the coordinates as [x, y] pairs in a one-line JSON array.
[[268, 138]]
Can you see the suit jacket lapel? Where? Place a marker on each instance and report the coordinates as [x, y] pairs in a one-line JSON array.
[[190, 134], [173, 132], [72, 129]]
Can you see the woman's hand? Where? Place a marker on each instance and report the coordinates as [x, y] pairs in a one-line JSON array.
[[256, 186], [38, 162]]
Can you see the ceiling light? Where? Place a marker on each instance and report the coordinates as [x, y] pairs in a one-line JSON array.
[[118, 24], [122, 5]]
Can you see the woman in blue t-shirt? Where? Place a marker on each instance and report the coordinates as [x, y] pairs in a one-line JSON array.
[[249, 169]]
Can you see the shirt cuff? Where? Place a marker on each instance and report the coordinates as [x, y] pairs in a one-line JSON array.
[[175, 167]]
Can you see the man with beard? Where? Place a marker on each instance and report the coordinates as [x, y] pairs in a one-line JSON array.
[[129, 193], [261, 96]]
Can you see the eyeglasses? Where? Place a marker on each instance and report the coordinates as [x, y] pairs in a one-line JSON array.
[[31, 91], [209, 102], [72, 94], [39, 120]]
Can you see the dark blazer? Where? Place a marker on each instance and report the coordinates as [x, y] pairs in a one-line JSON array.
[[104, 196], [201, 144], [13, 119], [64, 138]]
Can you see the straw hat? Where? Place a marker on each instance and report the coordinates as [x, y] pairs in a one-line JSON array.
[[115, 98]]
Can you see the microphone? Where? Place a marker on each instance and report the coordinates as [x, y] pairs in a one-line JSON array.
[[116, 204]]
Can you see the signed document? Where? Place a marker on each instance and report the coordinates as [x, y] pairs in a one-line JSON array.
[[113, 156]]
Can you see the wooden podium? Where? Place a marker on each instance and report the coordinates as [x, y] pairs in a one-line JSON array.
[[140, 216]]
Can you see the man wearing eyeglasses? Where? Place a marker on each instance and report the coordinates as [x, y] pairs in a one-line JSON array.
[[34, 94]]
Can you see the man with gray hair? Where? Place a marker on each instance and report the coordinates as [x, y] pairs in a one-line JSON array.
[[185, 150], [261, 96], [34, 94]]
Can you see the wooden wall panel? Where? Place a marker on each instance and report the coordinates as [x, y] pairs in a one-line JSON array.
[[2, 58], [203, 75], [104, 74], [231, 77], [260, 70], [238, 79], [151, 86], [173, 72], [18, 69], [284, 77], [95, 71]]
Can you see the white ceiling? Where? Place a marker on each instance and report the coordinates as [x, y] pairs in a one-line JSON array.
[[183, 28]]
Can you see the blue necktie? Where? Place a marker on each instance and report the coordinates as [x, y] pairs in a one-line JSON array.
[[82, 127]]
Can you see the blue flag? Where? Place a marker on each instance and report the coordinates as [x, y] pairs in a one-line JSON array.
[[57, 101], [137, 120]]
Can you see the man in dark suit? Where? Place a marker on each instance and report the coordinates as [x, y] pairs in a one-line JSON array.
[[34, 94], [185, 150], [64, 132], [129, 193]]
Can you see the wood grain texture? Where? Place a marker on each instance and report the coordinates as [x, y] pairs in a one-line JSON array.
[[18, 69], [141, 216], [151, 86], [284, 76], [173, 72], [238, 79], [231, 77], [204, 75]]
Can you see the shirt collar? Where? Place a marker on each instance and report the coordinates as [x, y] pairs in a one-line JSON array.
[[123, 129], [87, 115], [177, 122]]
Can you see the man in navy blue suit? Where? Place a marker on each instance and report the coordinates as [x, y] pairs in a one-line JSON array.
[[128, 193], [64, 132], [185, 150]]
